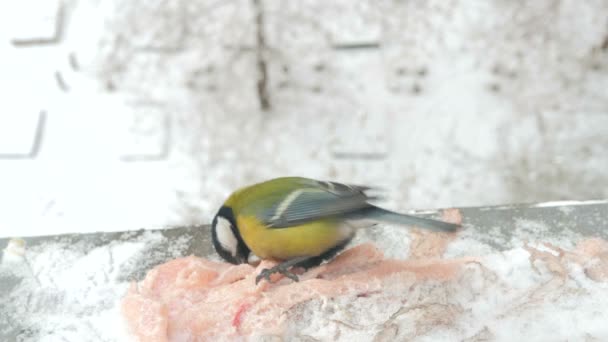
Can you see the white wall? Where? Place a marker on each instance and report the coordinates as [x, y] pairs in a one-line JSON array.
[[152, 111]]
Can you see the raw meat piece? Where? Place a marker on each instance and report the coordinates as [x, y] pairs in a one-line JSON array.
[[191, 297]]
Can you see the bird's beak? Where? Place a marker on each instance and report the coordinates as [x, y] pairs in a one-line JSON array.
[[240, 259]]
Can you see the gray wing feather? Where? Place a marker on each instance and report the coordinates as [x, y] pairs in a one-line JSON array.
[[314, 201]]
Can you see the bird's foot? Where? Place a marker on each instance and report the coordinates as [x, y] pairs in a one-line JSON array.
[[280, 269]]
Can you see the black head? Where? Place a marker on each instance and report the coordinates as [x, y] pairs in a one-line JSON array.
[[227, 238]]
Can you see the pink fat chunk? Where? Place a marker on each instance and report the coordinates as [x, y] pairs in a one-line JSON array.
[[192, 298]]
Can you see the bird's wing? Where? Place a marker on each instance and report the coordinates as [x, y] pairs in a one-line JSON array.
[[315, 200]]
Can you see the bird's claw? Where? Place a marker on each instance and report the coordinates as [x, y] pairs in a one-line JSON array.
[[267, 272]]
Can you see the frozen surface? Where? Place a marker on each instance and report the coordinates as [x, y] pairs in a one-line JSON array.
[[152, 111], [67, 289], [498, 277]]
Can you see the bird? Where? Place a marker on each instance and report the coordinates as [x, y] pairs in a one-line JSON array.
[[300, 222]]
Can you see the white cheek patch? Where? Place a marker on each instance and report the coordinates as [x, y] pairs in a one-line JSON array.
[[225, 236]]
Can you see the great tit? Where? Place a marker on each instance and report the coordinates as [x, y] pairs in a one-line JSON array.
[[298, 221]]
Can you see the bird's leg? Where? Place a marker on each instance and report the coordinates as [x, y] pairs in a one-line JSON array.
[[282, 268]]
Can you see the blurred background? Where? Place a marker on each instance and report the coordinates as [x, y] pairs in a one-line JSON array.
[[121, 115]]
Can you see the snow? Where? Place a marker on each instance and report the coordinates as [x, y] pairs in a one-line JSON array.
[[152, 119], [460, 105], [568, 203], [68, 290], [532, 291]]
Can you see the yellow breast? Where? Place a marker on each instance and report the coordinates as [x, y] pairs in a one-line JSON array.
[[309, 239]]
